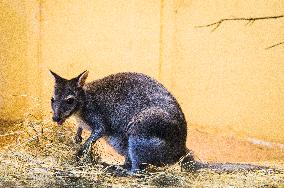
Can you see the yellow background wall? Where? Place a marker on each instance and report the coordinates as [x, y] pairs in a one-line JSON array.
[[225, 80], [19, 83]]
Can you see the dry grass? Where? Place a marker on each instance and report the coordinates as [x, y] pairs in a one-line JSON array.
[[42, 155]]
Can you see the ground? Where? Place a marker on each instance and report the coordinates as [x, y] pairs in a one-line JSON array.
[[40, 154]]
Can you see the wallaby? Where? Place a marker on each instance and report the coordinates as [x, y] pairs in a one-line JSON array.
[[139, 118]]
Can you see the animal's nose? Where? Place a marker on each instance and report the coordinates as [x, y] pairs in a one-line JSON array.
[[56, 118]]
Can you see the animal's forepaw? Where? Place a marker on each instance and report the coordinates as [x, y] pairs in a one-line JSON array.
[[83, 151], [78, 139]]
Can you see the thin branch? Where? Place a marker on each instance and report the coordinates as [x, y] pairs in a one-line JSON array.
[[274, 45], [250, 20]]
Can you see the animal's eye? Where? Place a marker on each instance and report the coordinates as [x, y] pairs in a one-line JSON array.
[[70, 100], [52, 100]]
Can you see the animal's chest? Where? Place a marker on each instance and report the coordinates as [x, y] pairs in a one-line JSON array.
[[81, 123]]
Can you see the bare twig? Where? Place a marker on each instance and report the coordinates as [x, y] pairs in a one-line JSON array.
[[274, 45], [250, 20]]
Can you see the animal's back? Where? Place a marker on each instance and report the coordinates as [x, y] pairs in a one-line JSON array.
[[123, 96]]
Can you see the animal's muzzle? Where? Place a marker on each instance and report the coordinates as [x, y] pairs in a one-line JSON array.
[[58, 120]]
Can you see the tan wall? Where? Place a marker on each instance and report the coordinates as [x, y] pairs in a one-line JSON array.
[[102, 36], [18, 58], [224, 80]]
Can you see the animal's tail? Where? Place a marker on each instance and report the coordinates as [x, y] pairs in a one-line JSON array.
[[188, 163]]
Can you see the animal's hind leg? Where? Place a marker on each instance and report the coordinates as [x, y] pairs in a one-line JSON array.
[[145, 150], [154, 138]]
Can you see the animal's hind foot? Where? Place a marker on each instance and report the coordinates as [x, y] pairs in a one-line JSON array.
[[117, 170]]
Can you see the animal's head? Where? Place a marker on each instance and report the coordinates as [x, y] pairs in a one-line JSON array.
[[68, 96]]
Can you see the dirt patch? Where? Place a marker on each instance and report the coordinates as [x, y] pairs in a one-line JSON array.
[[219, 148]]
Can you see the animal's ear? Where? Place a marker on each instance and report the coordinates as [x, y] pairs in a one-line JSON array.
[[56, 76], [81, 79]]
